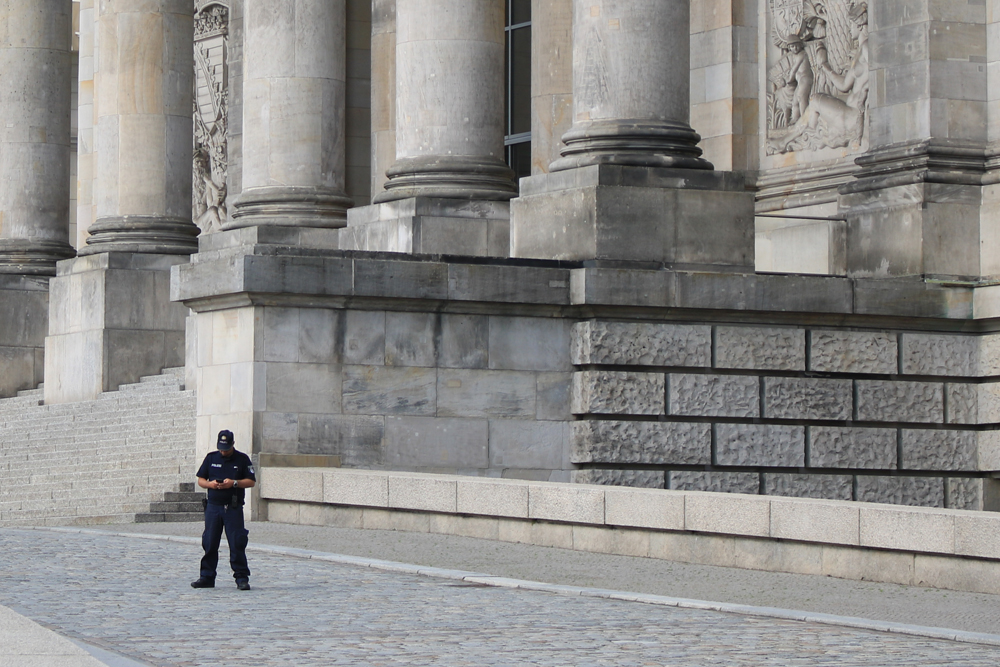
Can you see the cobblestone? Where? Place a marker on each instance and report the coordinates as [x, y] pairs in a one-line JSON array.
[[131, 596]]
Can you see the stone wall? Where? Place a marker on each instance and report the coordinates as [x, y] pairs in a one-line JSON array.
[[877, 415]]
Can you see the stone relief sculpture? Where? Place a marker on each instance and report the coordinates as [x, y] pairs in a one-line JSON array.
[[211, 109], [817, 95]]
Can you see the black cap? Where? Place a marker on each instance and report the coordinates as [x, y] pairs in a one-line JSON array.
[[226, 441]]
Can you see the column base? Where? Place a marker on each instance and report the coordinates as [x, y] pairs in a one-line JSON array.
[[24, 302], [449, 177], [290, 207], [111, 322], [32, 257], [920, 209], [430, 226], [680, 218], [633, 143], [142, 234]]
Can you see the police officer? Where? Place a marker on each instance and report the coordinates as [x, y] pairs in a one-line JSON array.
[[225, 473]]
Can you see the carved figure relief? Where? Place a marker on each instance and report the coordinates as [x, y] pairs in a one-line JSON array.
[[817, 87], [211, 108]]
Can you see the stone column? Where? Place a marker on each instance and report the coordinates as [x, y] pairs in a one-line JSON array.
[[144, 129], [449, 102], [631, 86], [294, 104], [383, 91], [551, 80], [35, 40], [631, 185], [110, 317]]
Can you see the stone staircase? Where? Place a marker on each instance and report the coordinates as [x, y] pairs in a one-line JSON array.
[[184, 504], [111, 460]]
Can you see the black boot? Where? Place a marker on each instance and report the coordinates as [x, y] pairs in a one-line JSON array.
[[203, 582], [243, 584]]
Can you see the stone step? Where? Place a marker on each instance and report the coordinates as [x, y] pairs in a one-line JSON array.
[[172, 507], [177, 517], [183, 496]]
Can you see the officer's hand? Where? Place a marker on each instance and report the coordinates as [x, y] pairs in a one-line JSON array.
[[228, 483], [218, 485]]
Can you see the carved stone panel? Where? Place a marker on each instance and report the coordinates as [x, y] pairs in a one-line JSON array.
[[817, 77], [210, 159]]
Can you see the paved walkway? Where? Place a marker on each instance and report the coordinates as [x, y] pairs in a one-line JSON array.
[[131, 596]]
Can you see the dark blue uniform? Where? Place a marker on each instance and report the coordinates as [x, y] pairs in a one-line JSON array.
[[223, 512]]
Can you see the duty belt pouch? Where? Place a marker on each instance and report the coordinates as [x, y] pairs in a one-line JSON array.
[[235, 502]]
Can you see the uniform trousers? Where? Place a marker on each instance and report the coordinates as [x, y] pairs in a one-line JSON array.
[[217, 518]]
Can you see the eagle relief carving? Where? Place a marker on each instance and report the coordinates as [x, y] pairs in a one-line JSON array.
[[817, 85], [210, 159]]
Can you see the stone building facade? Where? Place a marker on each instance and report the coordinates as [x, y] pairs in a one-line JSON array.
[[731, 245]]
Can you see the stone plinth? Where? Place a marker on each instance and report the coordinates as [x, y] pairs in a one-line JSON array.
[[110, 323], [677, 217], [429, 226], [24, 302]]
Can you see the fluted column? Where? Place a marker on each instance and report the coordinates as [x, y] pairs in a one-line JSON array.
[[631, 78], [144, 128], [294, 106], [35, 70], [450, 102]]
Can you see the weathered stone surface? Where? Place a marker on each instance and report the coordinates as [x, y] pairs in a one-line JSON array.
[[530, 344], [760, 445], [718, 482], [482, 393], [852, 352], [410, 339], [973, 403], [916, 491], [964, 493], [714, 395], [464, 341], [553, 396], [760, 348], [618, 393], [358, 440], [807, 398], [844, 447], [430, 442], [884, 401], [831, 487], [641, 442], [939, 450], [528, 444], [643, 479], [383, 390], [643, 344], [936, 354]]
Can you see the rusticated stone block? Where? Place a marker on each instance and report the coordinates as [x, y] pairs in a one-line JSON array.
[[808, 398], [760, 445], [675, 443], [939, 450], [916, 402], [830, 487], [853, 352], [964, 493], [717, 482], [714, 395], [973, 403], [643, 479], [842, 447], [915, 491], [782, 349], [937, 354], [618, 393], [639, 343]]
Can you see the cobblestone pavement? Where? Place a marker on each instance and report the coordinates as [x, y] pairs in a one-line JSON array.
[[132, 596]]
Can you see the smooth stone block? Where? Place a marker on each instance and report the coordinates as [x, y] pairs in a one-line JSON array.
[[730, 514], [567, 504], [291, 484], [384, 390], [423, 492], [641, 508], [367, 489], [493, 498], [910, 529], [831, 523]]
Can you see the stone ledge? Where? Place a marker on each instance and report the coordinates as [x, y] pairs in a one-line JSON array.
[[910, 530]]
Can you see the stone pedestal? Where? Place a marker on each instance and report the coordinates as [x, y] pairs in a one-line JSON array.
[[24, 302], [430, 226], [110, 323], [675, 217]]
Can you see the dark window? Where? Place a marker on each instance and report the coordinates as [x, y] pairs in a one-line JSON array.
[[517, 132]]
